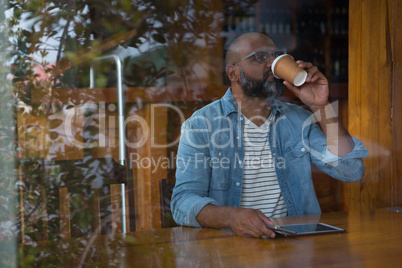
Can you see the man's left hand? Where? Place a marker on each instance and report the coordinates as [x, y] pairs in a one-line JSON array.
[[315, 91]]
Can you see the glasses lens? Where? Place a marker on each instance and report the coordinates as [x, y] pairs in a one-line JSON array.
[[278, 53], [262, 56]]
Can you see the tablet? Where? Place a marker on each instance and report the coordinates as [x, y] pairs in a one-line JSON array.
[[306, 229]]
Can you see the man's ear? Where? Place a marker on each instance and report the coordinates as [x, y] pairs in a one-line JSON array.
[[231, 72]]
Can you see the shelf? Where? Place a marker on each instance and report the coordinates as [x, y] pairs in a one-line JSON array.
[[314, 31]]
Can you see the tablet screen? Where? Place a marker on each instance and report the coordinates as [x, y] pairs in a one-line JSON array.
[[308, 229]]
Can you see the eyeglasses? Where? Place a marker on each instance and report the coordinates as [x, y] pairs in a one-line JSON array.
[[262, 55]]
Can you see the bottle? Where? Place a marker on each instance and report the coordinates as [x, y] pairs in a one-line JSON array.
[[280, 22], [336, 24], [268, 22], [323, 22], [261, 28], [245, 24], [237, 23], [337, 63], [310, 18], [230, 24], [322, 61], [274, 24], [301, 24], [288, 21], [344, 22], [344, 64], [251, 24], [316, 19]]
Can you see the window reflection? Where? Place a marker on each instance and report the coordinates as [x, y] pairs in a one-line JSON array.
[[67, 130]]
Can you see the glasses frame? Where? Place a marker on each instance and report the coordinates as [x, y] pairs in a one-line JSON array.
[[271, 53]]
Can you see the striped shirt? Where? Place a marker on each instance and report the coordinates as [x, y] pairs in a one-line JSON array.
[[260, 185]]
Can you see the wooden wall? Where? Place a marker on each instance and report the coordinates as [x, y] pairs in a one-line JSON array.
[[397, 103], [375, 95]]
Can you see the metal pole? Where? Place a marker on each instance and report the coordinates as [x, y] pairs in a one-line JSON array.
[[120, 107]]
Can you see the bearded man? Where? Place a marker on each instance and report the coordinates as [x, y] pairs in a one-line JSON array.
[[247, 157]]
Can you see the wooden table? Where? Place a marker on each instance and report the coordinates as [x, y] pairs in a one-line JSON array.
[[373, 239]]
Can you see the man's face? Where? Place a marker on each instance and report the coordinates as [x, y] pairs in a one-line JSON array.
[[264, 88]]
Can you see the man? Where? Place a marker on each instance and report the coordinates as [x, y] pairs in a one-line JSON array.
[[247, 157]]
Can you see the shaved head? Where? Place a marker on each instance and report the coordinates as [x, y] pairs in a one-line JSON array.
[[234, 50]]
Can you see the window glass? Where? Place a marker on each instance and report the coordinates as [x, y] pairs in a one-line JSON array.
[[95, 93]]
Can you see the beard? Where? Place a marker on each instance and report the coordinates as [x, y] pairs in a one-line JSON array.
[[262, 89]]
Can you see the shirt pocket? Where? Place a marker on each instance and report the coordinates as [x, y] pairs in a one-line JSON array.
[[297, 151]]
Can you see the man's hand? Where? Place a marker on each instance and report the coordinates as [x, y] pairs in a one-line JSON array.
[[315, 91], [244, 222], [247, 222]]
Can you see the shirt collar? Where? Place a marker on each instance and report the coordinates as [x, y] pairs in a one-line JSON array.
[[229, 104]]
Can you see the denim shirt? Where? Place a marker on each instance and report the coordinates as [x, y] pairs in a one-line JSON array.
[[210, 159]]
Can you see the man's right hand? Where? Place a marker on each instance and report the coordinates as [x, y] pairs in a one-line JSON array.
[[245, 222]]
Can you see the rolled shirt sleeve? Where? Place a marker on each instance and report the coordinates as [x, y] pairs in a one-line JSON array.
[[348, 168], [190, 193]]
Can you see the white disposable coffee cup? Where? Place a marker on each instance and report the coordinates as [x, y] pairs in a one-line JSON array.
[[284, 67]]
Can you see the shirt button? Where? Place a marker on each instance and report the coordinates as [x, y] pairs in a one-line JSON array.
[[238, 137], [237, 183], [302, 149], [241, 117], [219, 153], [240, 162]]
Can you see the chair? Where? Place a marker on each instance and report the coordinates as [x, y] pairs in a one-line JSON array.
[[166, 189], [69, 198]]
